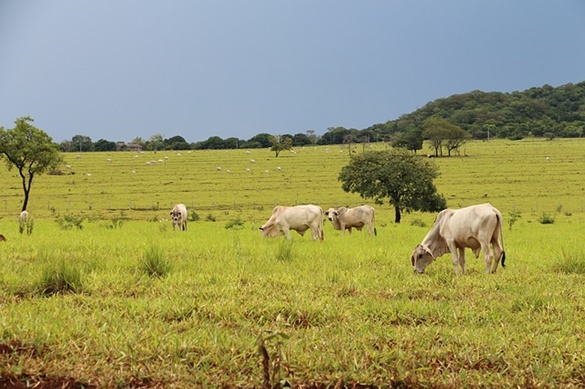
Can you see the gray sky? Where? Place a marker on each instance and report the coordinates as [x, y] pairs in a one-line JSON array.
[[118, 69]]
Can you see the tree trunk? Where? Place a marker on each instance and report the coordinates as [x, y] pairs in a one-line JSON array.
[[26, 189], [396, 214]]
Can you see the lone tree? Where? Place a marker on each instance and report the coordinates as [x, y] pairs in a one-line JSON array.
[[30, 150], [405, 179], [281, 143]]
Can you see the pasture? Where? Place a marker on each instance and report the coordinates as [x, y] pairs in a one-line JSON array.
[[127, 302]]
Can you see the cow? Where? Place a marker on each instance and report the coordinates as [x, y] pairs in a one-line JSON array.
[[347, 218], [299, 218], [454, 230], [25, 222], [179, 217]]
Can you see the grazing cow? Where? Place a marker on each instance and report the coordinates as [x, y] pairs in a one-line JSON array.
[[25, 222], [179, 217], [348, 218], [475, 227], [2, 238], [299, 218]]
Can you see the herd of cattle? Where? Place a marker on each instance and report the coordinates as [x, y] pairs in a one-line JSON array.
[[475, 227]]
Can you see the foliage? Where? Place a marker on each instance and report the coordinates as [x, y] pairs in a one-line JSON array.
[[67, 222], [514, 215], [234, 224], [280, 144], [193, 216], [546, 218], [418, 223], [443, 134], [117, 221], [403, 178], [30, 150]]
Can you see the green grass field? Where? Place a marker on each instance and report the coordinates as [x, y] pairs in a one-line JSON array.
[[128, 302]]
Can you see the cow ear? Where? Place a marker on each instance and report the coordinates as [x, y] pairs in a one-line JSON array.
[[428, 250]]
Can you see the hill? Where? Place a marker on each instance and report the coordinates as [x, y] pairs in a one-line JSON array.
[[540, 112]]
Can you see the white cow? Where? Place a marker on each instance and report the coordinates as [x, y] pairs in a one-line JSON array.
[[347, 218], [299, 218], [454, 230], [25, 222], [179, 217]]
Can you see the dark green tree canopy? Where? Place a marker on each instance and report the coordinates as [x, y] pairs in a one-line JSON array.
[[30, 150], [402, 178]]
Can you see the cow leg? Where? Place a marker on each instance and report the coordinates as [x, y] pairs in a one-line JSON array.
[[455, 255], [286, 232], [488, 258], [498, 251], [461, 251]]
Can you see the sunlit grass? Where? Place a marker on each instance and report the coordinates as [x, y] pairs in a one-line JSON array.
[[351, 308]]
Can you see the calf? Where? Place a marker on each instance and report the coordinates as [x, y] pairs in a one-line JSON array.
[[179, 217], [25, 222], [348, 218]]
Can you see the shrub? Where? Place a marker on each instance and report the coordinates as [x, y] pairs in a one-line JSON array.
[[210, 218], [117, 222], [193, 216], [235, 224], [514, 216], [418, 223], [154, 264], [545, 218], [67, 222]]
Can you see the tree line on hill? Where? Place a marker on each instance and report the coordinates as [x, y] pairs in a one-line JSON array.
[[446, 123]]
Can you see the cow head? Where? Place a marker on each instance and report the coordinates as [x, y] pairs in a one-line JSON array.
[[270, 231], [421, 258], [331, 214]]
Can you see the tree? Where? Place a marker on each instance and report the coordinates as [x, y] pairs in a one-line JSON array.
[[280, 143], [435, 132], [176, 142], [456, 137], [30, 150], [155, 143], [104, 145], [301, 139], [81, 143], [263, 140], [405, 179]]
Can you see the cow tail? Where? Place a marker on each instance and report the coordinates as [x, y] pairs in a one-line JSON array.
[[501, 224]]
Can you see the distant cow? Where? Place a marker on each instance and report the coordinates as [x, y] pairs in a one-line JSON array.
[[455, 229], [25, 222], [179, 217], [299, 218], [347, 218]]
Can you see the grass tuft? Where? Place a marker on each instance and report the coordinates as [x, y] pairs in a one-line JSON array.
[[285, 251], [154, 264], [60, 278], [571, 262]]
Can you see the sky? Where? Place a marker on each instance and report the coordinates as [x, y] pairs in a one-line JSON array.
[[121, 69]]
